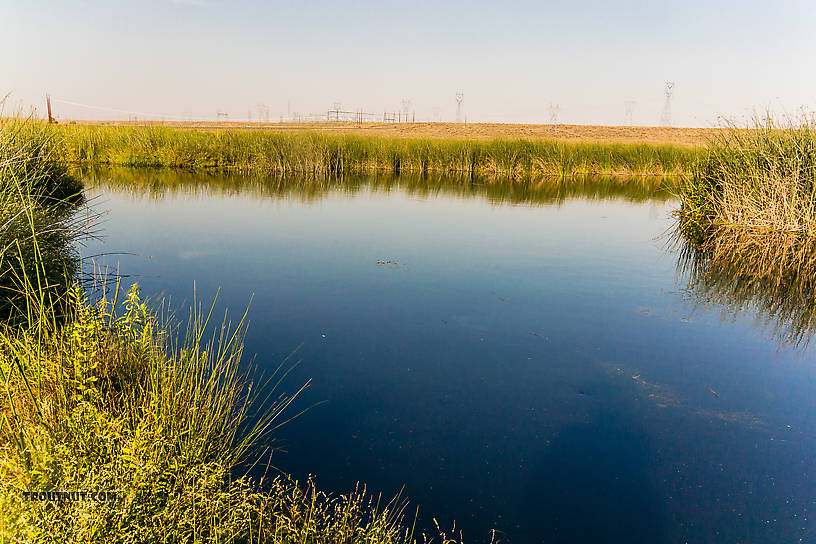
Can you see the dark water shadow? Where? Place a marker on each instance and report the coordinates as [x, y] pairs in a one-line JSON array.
[[593, 484]]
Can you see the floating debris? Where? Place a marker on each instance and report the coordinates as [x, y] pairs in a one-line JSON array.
[[390, 264]]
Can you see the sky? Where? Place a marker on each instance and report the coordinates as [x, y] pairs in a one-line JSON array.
[[514, 61]]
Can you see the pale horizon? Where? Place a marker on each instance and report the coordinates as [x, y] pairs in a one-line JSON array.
[[522, 63]]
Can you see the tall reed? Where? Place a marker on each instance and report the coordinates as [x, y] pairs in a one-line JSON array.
[[37, 199], [758, 178], [316, 153]]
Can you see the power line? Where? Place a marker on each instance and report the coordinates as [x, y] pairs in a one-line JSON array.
[[117, 110]]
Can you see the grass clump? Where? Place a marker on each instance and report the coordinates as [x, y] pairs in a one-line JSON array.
[[758, 178], [110, 399], [37, 199], [748, 225]]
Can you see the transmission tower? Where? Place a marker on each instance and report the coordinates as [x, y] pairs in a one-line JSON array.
[[665, 117], [460, 98], [554, 110], [406, 109], [629, 110]]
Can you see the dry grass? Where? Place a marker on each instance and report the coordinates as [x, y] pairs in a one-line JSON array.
[[761, 178]]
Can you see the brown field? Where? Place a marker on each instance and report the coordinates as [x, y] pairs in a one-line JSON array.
[[475, 131]]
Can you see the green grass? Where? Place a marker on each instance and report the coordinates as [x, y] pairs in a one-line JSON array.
[[748, 225], [36, 199], [320, 154], [110, 398]]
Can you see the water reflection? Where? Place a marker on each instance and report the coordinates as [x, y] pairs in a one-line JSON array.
[[770, 274], [529, 369], [159, 183]]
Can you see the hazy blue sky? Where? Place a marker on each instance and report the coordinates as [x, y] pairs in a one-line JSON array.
[[511, 59]]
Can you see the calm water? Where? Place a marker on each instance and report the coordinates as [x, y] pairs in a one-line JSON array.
[[530, 363]]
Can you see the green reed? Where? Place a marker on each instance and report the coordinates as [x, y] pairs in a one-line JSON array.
[[37, 196], [316, 153]]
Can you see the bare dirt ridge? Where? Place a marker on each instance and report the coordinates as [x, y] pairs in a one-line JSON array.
[[469, 131]]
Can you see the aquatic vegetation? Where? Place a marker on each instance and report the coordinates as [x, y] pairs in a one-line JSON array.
[[319, 154], [748, 221], [758, 178]]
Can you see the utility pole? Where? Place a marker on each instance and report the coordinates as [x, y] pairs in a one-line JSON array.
[[460, 98], [48, 105]]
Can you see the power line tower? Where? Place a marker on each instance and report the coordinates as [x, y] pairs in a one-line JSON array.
[[554, 110], [629, 110], [665, 117], [460, 99], [406, 109]]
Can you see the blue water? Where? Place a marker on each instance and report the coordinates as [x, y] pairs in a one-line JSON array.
[[535, 369]]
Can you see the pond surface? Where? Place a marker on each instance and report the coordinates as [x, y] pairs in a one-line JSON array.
[[529, 362]]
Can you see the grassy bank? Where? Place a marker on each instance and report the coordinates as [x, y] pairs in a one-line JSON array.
[[101, 395], [112, 400], [322, 154]]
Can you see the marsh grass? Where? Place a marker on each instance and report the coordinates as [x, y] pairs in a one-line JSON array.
[[321, 154], [758, 178], [37, 224]]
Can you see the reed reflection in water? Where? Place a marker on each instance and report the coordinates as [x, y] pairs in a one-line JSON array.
[[771, 274]]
